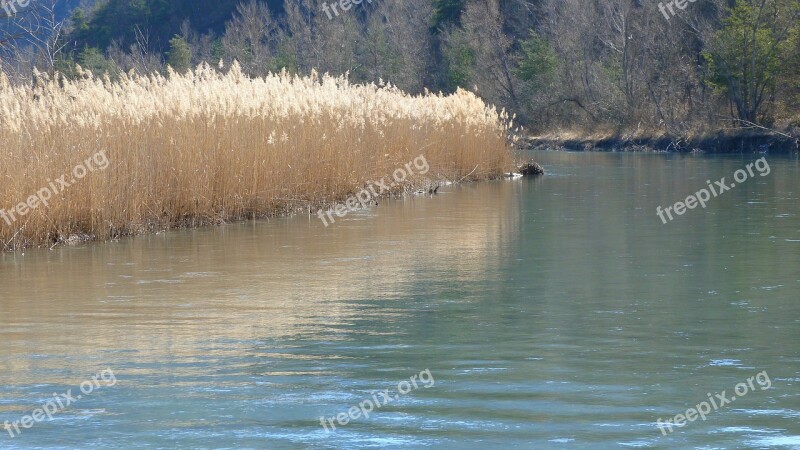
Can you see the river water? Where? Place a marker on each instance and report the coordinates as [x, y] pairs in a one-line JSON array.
[[557, 312]]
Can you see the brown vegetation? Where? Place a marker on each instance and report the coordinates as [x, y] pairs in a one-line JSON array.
[[209, 146]]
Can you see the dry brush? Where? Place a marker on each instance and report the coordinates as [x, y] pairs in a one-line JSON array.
[[209, 147]]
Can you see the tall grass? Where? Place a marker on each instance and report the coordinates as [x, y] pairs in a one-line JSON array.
[[208, 147]]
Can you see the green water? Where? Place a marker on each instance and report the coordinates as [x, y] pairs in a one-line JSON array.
[[558, 312]]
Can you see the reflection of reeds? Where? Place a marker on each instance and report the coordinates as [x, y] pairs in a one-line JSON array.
[[208, 147]]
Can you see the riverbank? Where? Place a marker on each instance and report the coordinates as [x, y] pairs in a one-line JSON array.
[[91, 159], [739, 141]]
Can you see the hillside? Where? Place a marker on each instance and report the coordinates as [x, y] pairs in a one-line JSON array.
[[161, 19], [609, 67]]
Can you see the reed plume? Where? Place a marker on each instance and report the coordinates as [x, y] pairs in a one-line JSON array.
[[208, 147]]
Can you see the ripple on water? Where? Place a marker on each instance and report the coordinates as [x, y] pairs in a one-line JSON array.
[[784, 413], [200, 274], [159, 282], [637, 444], [768, 288], [776, 441], [725, 363]]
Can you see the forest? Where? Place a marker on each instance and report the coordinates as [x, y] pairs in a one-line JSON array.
[[626, 66]]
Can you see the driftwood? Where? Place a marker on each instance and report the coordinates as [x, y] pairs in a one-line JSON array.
[[530, 169]]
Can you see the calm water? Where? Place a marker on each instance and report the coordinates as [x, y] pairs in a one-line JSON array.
[[551, 313]]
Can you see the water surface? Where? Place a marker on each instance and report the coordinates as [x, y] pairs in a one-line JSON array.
[[557, 312]]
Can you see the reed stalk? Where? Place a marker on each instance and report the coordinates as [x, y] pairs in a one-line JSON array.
[[211, 146]]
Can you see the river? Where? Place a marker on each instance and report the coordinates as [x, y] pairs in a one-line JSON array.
[[556, 312]]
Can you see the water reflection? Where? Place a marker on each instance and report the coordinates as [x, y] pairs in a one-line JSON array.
[[168, 295]]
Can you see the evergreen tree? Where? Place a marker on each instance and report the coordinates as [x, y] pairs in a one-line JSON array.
[[538, 61], [447, 12], [179, 56], [746, 56]]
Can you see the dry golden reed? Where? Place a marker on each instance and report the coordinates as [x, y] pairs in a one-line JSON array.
[[209, 147]]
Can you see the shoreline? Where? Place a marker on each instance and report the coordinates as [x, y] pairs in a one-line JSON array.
[[415, 187], [419, 186], [720, 142]]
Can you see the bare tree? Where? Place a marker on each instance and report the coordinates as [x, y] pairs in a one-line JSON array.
[[251, 37], [327, 44], [35, 31], [397, 47], [493, 72], [140, 58]]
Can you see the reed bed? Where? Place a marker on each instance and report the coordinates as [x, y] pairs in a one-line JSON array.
[[213, 146]]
